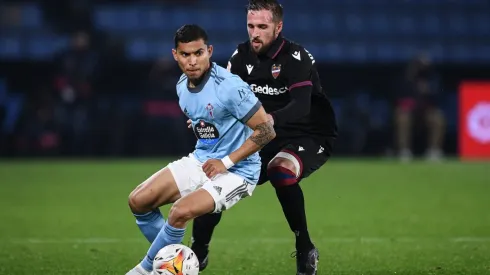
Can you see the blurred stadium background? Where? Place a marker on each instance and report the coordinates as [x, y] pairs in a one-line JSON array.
[[109, 98], [95, 79]]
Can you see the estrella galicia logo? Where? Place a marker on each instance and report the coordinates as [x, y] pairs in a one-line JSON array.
[[206, 132]]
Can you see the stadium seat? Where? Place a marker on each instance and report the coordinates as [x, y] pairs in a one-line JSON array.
[[32, 16], [3, 89], [137, 49], [44, 47], [349, 30], [10, 47]]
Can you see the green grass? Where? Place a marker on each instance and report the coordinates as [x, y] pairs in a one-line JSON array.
[[366, 217]]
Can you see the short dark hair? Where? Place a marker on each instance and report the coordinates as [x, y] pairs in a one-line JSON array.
[[270, 5], [189, 33]]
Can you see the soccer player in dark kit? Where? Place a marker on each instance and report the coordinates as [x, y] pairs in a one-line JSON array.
[[283, 76]]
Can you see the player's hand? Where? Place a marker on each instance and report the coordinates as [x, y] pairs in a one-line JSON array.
[[213, 167], [189, 123], [271, 119]]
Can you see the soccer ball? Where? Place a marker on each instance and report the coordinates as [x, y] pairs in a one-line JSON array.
[[176, 259]]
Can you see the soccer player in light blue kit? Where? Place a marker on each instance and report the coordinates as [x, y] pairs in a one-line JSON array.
[[231, 127]]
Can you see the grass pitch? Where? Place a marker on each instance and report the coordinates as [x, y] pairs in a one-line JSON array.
[[366, 217]]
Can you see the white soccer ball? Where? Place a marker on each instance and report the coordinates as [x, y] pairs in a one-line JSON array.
[[176, 259]]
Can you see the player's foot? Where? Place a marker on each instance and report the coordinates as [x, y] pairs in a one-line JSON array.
[[434, 155], [307, 262], [202, 255], [405, 155], [138, 270]]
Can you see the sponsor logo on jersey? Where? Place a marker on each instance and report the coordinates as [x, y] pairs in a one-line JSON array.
[[249, 68], [206, 132], [297, 55], [266, 90]]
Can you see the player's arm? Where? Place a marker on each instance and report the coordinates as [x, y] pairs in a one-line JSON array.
[[241, 102], [244, 105], [263, 133], [298, 73]]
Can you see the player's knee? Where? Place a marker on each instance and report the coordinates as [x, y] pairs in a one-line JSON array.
[[134, 202], [282, 172], [281, 162], [403, 117], [180, 214], [138, 203]]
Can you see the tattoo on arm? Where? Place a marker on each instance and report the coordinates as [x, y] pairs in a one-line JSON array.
[[265, 133]]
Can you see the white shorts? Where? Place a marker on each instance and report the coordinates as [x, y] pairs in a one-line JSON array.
[[226, 189]]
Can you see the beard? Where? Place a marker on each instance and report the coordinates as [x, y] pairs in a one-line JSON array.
[[264, 47]]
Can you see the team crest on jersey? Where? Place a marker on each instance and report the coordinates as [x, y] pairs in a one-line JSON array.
[[210, 108], [276, 70]]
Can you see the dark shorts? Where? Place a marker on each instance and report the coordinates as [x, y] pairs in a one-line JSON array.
[[310, 153], [417, 104]]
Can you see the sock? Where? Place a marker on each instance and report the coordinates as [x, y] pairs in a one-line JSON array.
[[203, 228], [293, 205], [150, 223], [291, 197], [167, 235]]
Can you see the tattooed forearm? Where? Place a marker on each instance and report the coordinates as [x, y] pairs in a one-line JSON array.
[[263, 134]]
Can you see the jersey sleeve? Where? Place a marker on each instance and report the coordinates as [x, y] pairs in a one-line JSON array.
[[299, 69], [298, 79], [238, 98], [233, 63]]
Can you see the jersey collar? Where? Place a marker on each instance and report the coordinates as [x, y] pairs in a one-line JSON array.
[[199, 87], [276, 47]]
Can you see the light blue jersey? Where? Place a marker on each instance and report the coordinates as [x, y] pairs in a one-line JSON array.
[[219, 108]]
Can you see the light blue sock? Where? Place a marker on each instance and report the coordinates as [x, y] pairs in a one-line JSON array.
[[168, 235], [150, 223]]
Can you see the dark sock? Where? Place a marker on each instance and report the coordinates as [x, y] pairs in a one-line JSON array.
[[203, 228], [293, 206], [292, 201]]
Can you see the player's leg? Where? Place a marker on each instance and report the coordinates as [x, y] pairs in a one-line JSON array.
[[144, 200], [284, 174], [179, 178], [195, 204], [295, 162], [215, 196], [158, 190], [203, 226], [436, 128], [202, 232], [403, 126]]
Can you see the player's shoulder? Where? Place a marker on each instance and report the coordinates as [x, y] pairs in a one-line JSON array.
[[293, 45], [296, 51], [238, 56], [223, 78], [241, 52], [242, 48], [225, 82], [182, 79], [181, 83]]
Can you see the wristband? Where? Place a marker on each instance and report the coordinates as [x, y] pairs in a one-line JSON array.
[[227, 162]]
